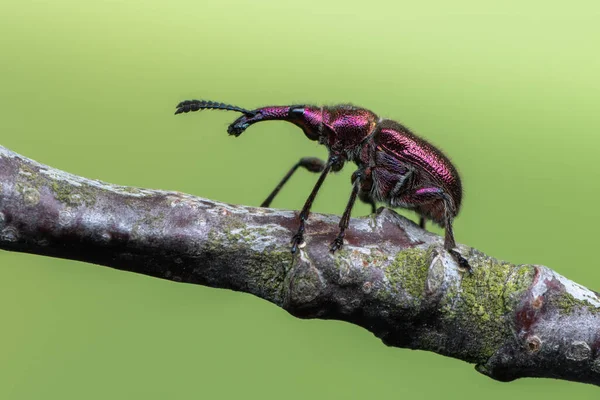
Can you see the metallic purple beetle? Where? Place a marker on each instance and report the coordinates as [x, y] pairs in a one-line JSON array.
[[395, 166]]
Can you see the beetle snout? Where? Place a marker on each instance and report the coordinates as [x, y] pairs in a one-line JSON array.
[[238, 126]]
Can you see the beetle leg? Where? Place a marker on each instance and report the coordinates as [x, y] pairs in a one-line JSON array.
[[372, 203], [338, 242], [431, 194], [366, 183], [449, 243], [312, 164], [422, 222], [298, 238]]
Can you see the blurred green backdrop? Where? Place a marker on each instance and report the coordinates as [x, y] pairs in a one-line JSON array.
[[511, 92]]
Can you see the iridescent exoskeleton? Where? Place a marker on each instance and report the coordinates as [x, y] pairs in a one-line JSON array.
[[395, 167]]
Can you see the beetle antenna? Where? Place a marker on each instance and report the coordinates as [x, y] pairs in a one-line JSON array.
[[196, 105]]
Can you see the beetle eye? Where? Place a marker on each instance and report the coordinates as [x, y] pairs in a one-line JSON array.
[[296, 112]]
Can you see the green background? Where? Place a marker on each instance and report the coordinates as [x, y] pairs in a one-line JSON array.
[[511, 92]]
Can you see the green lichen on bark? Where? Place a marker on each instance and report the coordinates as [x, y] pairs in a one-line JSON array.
[[235, 230], [31, 182], [28, 184], [70, 195], [147, 222], [483, 301], [130, 189], [341, 261], [408, 272], [567, 304], [376, 258], [31, 196], [27, 170], [265, 271], [340, 257]]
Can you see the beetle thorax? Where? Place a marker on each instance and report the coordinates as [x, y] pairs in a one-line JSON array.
[[345, 128]]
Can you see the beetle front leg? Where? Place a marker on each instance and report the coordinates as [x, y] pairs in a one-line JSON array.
[[338, 242], [311, 164], [298, 238]]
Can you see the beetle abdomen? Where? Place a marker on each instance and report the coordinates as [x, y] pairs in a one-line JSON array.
[[407, 148]]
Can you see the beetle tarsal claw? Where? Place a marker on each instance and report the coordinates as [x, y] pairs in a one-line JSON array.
[[337, 244], [297, 242], [462, 262]]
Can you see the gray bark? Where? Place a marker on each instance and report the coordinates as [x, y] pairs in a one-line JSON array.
[[391, 277]]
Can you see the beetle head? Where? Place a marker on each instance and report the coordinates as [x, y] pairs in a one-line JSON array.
[[341, 128], [309, 118]]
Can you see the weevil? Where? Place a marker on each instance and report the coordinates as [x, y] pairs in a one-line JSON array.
[[395, 166]]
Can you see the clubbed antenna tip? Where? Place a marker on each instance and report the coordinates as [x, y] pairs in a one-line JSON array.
[[196, 105]]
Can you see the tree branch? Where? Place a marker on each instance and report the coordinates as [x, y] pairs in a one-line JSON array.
[[391, 277]]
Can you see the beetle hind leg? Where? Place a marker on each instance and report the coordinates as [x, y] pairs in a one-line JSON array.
[[443, 212], [450, 246], [366, 198]]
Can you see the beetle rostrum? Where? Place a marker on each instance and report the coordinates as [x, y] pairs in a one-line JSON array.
[[395, 166]]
